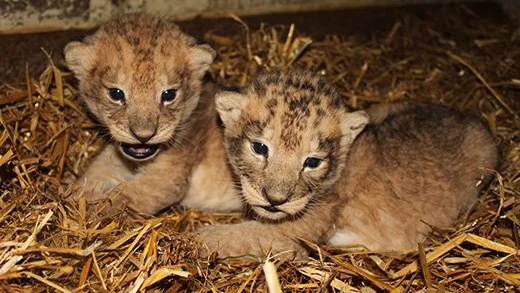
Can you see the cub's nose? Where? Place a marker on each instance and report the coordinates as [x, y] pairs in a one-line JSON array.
[[275, 200], [144, 134]]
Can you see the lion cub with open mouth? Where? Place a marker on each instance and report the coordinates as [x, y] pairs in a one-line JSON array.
[[312, 167], [141, 77]]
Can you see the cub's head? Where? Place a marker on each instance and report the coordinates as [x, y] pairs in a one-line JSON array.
[[141, 77], [287, 136]]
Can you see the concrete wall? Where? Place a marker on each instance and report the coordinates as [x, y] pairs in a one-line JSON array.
[[18, 16]]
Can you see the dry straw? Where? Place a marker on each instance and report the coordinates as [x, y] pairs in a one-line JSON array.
[[50, 245]]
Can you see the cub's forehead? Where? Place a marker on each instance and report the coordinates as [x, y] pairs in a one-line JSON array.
[[294, 107], [296, 90], [142, 31], [139, 43]]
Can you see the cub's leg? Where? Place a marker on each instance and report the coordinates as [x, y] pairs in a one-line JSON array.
[[251, 238], [256, 238], [152, 187], [107, 173]]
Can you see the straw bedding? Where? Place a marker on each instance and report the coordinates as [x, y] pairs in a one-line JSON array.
[[46, 139]]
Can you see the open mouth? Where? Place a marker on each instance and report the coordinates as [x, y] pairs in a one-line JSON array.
[[139, 151]]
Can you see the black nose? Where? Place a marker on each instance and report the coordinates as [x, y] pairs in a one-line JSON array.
[[274, 202], [142, 135]]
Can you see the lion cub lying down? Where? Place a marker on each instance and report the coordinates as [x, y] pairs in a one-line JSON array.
[[312, 167]]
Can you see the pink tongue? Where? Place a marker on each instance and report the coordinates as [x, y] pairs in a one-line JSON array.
[[140, 148]]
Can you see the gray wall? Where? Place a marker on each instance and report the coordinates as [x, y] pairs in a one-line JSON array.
[[18, 16]]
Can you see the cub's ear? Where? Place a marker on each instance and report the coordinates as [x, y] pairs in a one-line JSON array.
[[78, 57], [353, 123], [229, 106], [200, 59]]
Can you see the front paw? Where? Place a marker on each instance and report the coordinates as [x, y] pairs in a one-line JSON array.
[[223, 240], [96, 190], [99, 200], [236, 240]]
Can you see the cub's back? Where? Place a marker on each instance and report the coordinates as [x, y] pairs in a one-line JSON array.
[[413, 167], [414, 135]]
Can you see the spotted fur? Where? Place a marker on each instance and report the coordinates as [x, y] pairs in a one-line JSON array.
[[144, 56], [382, 185]]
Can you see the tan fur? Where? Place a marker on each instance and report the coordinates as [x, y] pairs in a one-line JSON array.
[[411, 167], [145, 56]]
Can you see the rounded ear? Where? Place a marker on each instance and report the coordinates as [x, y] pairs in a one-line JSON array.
[[78, 57], [200, 58], [353, 123], [229, 106]]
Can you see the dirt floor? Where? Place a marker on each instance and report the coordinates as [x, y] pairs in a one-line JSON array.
[[19, 50]]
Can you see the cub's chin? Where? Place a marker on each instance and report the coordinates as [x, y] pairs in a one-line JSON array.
[[139, 152]]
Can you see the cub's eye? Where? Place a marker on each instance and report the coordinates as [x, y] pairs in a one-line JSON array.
[[168, 95], [116, 94], [312, 162], [259, 148]]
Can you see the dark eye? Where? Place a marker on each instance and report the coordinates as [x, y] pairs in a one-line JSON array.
[[260, 148], [312, 163], [168, 95], [116, 94]]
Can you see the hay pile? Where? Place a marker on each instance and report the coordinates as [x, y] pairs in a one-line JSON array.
[[49, 245]]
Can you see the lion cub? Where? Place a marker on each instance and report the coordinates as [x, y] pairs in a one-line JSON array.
[[141, 77], [312, 167]]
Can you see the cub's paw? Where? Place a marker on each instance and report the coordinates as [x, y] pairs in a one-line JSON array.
[[237, 240], [226, 241], [96, 190], [105, 203]]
